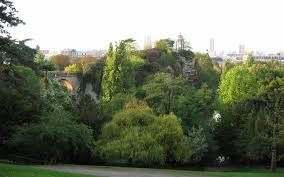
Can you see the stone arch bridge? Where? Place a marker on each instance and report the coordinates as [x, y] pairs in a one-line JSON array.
[[72, 83]]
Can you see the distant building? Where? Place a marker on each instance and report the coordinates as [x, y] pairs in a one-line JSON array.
[[91, 53], [147, 43], [211, 51], [211, 45], [242, 49], [47, 54], [72, 53]]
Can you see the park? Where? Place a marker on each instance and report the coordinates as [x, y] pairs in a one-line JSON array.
[[164, 110]]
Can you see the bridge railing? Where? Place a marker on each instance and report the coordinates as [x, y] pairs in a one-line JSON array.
[[61, 74]]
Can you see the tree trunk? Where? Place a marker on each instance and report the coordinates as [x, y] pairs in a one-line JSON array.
[[273, 153], [273, 160]]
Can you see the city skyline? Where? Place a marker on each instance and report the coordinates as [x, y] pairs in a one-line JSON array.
[[92, 25]]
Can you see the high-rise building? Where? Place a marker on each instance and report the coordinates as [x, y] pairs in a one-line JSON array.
[[147, 43], [242, 49], [211, 47]]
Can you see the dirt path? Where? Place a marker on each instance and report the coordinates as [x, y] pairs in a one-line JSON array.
[[116, 171]]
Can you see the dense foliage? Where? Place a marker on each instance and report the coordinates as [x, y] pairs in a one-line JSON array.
[[136, 136], [146, 112]]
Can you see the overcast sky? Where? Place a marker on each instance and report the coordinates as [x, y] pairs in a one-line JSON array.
[[92, 24]]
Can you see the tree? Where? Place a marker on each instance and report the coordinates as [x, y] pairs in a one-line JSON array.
[[135, 136], [161, 91], [251, 117], [249, 60], [60, 61], [20, 99], [85, 60], [207, 72], [8, 16], [44, 65], [93, 73], [89, 113], [274, 99], [57, 138], [73, 68], [164, 44], [168, 132], [196, 145], [194, 107], [227, 66], [56, 97], [237, 85], [13, 52], [118, 74]]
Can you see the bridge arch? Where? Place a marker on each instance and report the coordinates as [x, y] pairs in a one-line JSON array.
[[67, 84], [72, 83]]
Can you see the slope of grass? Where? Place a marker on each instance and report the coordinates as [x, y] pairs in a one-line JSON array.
[[8, 170]]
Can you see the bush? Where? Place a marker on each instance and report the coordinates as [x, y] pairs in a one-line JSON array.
[[56, 138]]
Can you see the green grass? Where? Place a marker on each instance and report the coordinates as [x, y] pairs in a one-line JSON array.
[[8, 170]]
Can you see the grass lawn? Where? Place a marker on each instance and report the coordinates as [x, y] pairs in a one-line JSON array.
[[8, 170]]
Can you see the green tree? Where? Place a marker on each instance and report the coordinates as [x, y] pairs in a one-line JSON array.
[[72, 68], [226, 67], [60, 61], [194, 107], [93, 73], [196, 145], [8, 16], [135, 136], [249, 60], [14, 52], [56, 97], [237, 85], [57, 138], [274, 99], [161, 90], [20, 99], [207, 72], [164, 44], [168, 132], [44, 65], [118, 74]]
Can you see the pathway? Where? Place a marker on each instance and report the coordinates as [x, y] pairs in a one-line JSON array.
[[116, 171]]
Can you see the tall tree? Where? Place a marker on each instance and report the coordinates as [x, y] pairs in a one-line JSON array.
[[118, 74], [161, 91], [60, 61], [8, 16], [249, 60]]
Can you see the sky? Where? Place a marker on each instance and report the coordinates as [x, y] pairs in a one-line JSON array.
[[92, 24]]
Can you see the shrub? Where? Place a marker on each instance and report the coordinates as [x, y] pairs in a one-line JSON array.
[[56, 138]]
